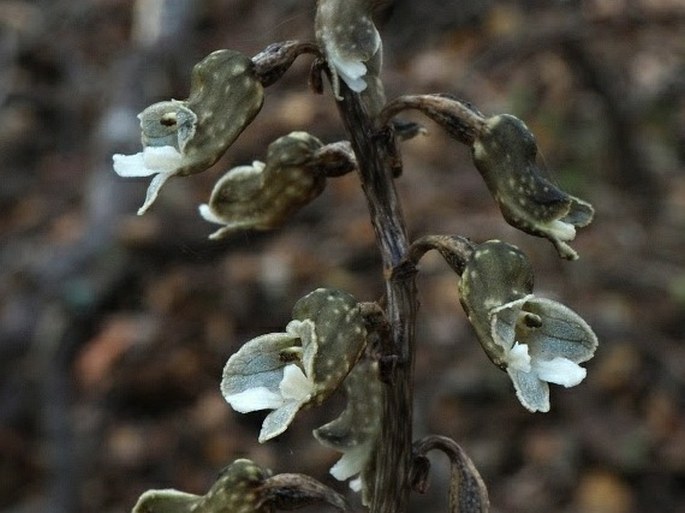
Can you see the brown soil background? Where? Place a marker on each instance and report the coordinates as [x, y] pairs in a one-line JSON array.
[[114, 328]]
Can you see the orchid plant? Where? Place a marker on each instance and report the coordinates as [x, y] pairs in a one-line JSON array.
[[335, 341]]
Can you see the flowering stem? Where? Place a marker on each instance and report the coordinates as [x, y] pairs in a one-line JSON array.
[[455, 249], [376, 158]]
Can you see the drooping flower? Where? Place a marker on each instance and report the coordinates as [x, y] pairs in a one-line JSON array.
[[180, 138], [352, 46], [504, 151], [536, 340], [285, 371], [262, 196], [355, 431]]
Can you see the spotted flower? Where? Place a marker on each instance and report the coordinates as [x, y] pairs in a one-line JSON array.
[[186, 137], [285, 371], [537, 341], [262, 196], [355, 431], [504, 151], [350, 41]]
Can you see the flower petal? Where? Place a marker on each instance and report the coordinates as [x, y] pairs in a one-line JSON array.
[[255, 399], [530, 390], [562, 332], [131, 165], [257, 363], [518, 358], [295, 386], [278, 420], [559, 371], [153, 190], [351, 463]]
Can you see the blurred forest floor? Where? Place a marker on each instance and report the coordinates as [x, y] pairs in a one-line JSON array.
[[114, 328]]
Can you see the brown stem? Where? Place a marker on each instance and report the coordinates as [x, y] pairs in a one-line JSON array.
[[456, 250], [460, 119], [272, 62], [376, 161], [468, 493]]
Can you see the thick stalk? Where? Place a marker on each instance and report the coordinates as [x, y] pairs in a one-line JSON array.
[[376, 160]]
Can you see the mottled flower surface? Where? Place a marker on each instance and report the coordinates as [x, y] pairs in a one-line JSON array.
[[350, 41], [504, 151], [285, 371], [536, 340], [262, 196], [355, 431], [185, 137], [238, 490]]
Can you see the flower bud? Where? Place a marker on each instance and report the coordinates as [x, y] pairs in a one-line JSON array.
[[504, 152], [536, 340], [187, 137], [262, 196]]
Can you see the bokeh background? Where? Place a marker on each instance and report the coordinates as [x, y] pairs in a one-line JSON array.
[[114, 328]]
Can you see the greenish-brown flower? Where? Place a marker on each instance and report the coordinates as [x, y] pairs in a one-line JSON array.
[[355, 431], [536, 340], [504, 152], [262, 196], [186, 137], [285, 371]]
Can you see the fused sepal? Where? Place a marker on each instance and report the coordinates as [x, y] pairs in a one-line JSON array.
[[338, 336]]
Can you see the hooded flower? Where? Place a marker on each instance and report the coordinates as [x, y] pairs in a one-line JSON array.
[[537, 341], [355, 431], [285, 371], [352, 46], [262, 196], [187, 137], [504, 152]]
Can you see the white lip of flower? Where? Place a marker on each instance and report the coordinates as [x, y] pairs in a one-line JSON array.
[[351, 464], [556, 350], [163, 161], [351, 71], [273, 384]]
